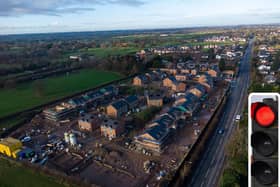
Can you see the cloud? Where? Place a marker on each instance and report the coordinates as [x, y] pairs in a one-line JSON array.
[[57, 7], [265, 12]]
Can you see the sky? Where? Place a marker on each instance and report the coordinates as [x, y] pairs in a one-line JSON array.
[[43, 16]]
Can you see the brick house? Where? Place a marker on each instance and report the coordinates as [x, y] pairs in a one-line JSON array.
[[214, 71], [89, 122], [185, 71], [169, 81], [207, 81], [190, 95], [117, 108], [194, 72], [179, 87], [140, 80], [169, 70], [155, 100], [203, 67], [111, 128], [198, 90], [153, 139], [181, 77]]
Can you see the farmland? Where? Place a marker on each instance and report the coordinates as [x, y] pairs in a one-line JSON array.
[[103, 52], [28, 95]]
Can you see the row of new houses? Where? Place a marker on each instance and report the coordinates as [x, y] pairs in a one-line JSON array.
[[265, 61], [93, 98], [118, 108], [178, 75], [155, 137]]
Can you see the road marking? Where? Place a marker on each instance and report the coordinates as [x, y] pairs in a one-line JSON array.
[[207, 172], [217, 151], [212, 162], [202, 184]]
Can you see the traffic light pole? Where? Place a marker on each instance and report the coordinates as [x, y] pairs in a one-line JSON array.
[[263, 139]]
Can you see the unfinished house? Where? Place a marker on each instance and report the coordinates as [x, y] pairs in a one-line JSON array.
[[153, 139]]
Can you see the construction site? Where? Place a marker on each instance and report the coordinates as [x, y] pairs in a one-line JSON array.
[[94, 137]]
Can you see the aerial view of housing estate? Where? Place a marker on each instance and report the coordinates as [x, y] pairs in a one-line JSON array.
[[135, 98]]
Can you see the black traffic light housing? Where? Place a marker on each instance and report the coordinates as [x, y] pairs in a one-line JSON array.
[[264, 142]]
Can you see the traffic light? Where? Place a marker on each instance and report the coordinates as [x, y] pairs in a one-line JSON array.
[[264, 142]]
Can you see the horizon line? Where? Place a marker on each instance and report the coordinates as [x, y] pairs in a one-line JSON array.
[[144, 29]]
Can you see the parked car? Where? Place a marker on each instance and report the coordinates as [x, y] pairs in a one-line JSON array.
[[26, 139]]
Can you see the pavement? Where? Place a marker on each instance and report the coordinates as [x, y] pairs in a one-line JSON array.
[[210, 167]]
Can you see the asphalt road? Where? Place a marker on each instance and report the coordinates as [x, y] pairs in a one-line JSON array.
[[210, 167]]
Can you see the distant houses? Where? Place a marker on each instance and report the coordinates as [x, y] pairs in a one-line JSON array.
[[207, 81], [197, 90], [169, 81], [214, 71], [140, 80], [181, 77], [155, 100], [179, 87]]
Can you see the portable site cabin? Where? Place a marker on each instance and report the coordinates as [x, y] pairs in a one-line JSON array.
[[10, 147]]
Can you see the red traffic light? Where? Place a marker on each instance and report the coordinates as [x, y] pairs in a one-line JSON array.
[[264, 116], [253, 109]]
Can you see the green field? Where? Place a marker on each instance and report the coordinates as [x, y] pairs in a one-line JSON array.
[[215, 43], [38, 92], [12, 175], [104, 52]]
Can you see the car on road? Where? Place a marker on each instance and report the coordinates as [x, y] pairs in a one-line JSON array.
[[221, 131], [238, 117]]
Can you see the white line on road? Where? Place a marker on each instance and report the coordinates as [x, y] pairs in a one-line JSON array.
[[207, 172], [202, 184]]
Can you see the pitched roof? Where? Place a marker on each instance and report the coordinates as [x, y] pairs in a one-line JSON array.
[[131, 99], [155, 96], [109, 89], [119, 104], [110, 123], [191, 97], [173, 79], [158, 132], [78, 100], [189, 106], [215, 67], [88, 117], [142, 78], [93, 95], [200, 88], [165, 119]]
